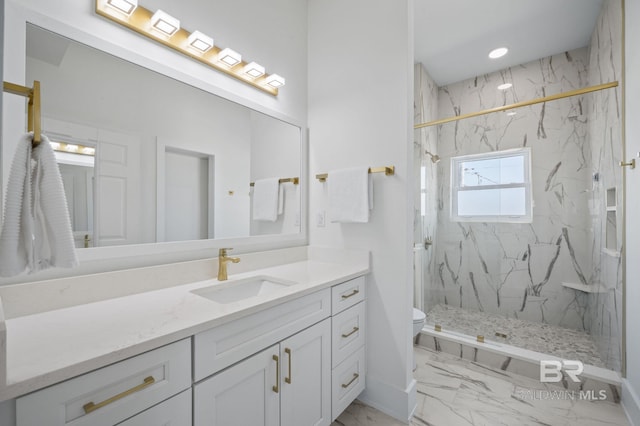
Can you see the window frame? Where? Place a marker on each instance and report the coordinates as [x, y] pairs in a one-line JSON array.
[[456, 178]]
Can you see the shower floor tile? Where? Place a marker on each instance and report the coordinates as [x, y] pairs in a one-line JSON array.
[[561, 342]]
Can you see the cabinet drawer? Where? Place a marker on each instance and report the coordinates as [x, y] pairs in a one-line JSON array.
[[347, 294], [111, 394], [175, 411], [227, 344], [347, 333], [347, 381]]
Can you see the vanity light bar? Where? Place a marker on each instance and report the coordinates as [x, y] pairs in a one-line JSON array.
[[254, 70], [200, 42], [165, 23], [275, 81], [230, 57], [165, 29], [73, 148], [124, 6]]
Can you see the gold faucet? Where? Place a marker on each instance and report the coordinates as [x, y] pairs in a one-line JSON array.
[[222, 263]]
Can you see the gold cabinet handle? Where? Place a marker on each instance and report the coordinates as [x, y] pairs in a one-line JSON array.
[[288, 352], [355, 376], [351, 332], [353, 293], [90, 406], [275, 387]]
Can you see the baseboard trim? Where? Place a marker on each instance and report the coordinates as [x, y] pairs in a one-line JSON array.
[[630, 403], [397, 403]]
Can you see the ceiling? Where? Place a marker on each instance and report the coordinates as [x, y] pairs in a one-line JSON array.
[[454, 37]]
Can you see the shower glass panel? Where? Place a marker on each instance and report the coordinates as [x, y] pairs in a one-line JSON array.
[[542, 283]]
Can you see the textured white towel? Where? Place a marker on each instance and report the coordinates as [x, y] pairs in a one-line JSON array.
[[265, 199], [36, 231], [350, 195]]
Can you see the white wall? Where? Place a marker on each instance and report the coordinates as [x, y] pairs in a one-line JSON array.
[[631, 386], [360, 114]]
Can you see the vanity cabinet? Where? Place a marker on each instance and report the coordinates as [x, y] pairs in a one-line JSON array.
[[295, 363], [348, 338], [175, 411], [287, 384], [112, 394]]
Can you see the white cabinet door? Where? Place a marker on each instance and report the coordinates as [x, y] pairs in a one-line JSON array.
[[306, 377], [247, 393], [174, 411]]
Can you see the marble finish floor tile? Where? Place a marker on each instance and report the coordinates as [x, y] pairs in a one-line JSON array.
[[545, 338], [454, 391]]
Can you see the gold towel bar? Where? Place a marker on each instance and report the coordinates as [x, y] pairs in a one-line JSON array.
[[387, 170], [294, 180], [33, 111]]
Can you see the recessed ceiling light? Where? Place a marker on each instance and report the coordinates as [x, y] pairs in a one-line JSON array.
[[498, 53], [505, 86]]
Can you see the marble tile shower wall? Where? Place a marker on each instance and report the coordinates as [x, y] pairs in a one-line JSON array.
[[604, 119], [425, 222], [511, 269]]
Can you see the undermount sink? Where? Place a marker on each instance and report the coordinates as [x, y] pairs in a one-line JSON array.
[[235, 290]]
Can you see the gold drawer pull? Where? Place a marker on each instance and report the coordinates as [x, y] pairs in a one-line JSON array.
[[355, 376], [90, 406], [351, 332], [275, 387], [288, 352], [353, 293]]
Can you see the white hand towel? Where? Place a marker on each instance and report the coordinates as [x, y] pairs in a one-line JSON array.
[[350, 195], [265, 199], [36, 232], [281, 193]]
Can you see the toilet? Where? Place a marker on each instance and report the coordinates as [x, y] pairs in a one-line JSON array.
[[418, 321]]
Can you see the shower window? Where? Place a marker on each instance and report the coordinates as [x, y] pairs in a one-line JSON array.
[[492, 187]]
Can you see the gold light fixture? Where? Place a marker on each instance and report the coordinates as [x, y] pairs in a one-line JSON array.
[[200, 42], [165, 23], [124, 6], [72, 148], [229, 57], [166, 29], [254, 70]]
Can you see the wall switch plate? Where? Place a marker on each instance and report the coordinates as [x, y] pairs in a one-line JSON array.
[[320, 219]]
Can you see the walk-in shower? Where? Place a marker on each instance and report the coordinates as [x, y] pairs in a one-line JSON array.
[[523, 215]]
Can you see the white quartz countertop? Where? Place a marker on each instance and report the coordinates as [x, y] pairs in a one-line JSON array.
[[48, 347]]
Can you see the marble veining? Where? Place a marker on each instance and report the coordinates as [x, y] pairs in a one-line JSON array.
[[453, 391], [516, 270]]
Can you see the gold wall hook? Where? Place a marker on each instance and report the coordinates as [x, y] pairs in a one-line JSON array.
[[631, 163]]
